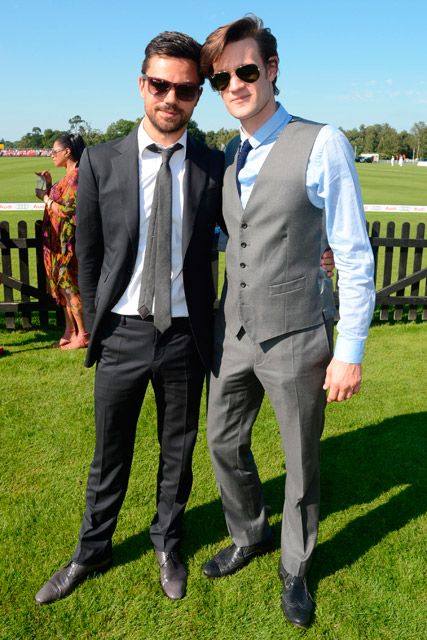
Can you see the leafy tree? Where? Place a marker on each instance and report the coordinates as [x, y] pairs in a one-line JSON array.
[[194, 131], [372, 137], [77, 125], [356, 137], [120, 128], [419, 132], [388, 143], [219, 139], [406, 144], [90, 136], [49, 137], [8, 144], [31, 140]]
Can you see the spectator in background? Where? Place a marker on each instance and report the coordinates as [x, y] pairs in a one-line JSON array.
[[59, 225]]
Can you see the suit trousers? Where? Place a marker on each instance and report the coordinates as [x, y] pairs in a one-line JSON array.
[[133, 353], [291, 370]]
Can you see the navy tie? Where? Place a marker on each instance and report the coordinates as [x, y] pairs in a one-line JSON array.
[[241, 159]]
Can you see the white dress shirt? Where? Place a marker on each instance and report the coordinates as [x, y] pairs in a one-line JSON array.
[[332, 184], [149, 164]]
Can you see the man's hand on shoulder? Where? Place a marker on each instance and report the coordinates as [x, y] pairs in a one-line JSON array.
[[342, 380]]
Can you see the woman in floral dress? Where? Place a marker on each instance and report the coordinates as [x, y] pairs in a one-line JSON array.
[[59, 225]]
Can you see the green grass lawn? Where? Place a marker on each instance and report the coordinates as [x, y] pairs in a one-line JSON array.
[[384, 184], [18, 180], [368, 575]]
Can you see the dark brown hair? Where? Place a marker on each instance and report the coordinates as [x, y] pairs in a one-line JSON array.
[[248, 27], [175, 45]]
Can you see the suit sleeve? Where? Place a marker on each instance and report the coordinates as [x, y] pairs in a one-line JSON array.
[[220, 178], [89, 242]]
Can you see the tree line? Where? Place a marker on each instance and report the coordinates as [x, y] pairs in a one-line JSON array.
[[376, 138]]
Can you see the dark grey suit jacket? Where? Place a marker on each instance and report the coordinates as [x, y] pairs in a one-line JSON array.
[[108, 232]]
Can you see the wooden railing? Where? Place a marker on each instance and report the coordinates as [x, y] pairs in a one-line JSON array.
[[400, 269], [400, 274]]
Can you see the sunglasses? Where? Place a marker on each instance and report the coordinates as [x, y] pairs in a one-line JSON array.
[[54, 152], [247, 72], [160, 88]]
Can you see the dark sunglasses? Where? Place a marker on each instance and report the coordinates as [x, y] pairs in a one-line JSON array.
[[160, 88], [247, 72]]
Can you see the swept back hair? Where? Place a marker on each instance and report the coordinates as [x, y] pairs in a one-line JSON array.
[[175, 45], [248, 27]]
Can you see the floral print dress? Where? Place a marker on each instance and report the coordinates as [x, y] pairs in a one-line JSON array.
[[59, 238]]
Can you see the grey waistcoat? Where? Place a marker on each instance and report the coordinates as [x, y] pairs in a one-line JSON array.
[[273, 252]]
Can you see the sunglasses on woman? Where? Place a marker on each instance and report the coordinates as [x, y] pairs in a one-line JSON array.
[[160, 88], [247, 72]]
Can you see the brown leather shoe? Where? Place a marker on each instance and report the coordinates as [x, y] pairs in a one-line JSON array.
[[64, 581], [232, 558], [173, 576]]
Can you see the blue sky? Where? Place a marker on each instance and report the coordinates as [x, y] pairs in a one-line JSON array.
[[347, 63]]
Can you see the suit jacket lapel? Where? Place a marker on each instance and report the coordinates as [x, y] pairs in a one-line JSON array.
[[125, 166], [194, 186]]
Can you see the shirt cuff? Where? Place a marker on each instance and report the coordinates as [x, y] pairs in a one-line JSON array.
[[349, 351]]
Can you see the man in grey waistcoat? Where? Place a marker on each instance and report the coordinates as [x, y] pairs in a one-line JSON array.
[[272, 330]]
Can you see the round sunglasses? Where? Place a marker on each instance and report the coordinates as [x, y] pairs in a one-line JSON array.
[[160, 88], [246, 72]]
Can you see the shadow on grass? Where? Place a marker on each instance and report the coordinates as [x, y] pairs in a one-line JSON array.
[[357, 468], [132, 548], [36, 341]]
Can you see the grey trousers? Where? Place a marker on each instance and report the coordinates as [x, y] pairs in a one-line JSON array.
[[291, 370]]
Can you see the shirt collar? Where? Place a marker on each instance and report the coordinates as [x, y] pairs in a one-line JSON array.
[[144, 139], [269, 131]]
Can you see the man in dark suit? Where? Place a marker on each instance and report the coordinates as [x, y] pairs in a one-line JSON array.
[[144, 329]]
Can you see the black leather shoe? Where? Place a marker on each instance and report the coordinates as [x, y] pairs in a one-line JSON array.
[[64, 581], [173, 576], [297, 603], [232, 558]]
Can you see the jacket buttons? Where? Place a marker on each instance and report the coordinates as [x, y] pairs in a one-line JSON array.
[[243, 245], [243, 285], [242, 265], [244, 225]]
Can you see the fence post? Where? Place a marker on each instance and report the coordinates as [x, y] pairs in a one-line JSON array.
[[388, 263], [415, 288], [9, 317], [24, 272], [403, 262], [41, 274]]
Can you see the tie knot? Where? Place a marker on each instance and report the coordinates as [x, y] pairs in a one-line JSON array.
[[246, 147], [243, 154], [166, 153]]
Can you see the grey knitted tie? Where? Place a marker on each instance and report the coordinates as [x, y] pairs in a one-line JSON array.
[[156, 272], [241, 159]]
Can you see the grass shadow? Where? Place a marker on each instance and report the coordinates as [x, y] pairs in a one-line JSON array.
[[357, 468], [132, 548]]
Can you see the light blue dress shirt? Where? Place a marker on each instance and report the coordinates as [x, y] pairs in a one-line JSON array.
[[332, 184]]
